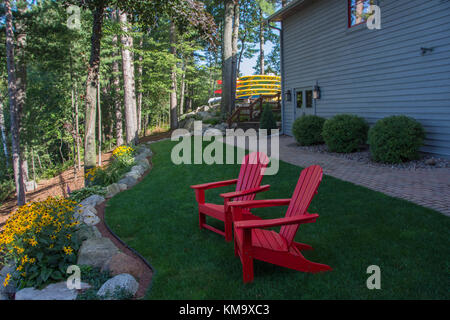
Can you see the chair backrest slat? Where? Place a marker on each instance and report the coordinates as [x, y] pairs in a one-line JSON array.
[[304, 192], [251, 173]]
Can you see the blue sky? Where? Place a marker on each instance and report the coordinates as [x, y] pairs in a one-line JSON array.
[[248, 64]]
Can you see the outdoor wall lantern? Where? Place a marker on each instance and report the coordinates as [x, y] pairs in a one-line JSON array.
[[316, 92], [288, 95]]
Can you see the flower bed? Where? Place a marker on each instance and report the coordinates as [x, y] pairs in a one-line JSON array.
[[42, 239], [39, 237]]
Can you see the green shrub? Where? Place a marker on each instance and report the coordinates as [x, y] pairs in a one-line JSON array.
[[122, 161], [267, 119], [98, 176], [81, 194], [212, 121], [277, 116], [396, 139], [307, 130], [345, 133]]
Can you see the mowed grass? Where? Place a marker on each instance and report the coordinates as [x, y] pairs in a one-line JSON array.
[[357, 228]]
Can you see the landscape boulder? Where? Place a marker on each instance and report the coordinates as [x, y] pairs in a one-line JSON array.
[[112, 190], [88, 232], [123, 282], [10, 268], [54, 291], [92, 201], [95, 252], [128, 181], [123, 263]]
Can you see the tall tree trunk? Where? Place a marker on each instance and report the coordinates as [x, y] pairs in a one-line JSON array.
[[3, 133], [24, 164], [99, 125], [261, 43], [128, 81], [182, 89], [21, 77], [77, 128], [140, 89], [116, 85], [173, 88], [14, 111], [33, 166], [75, 121], [227, 57], [91, 89], [74, 135], [235, 38]]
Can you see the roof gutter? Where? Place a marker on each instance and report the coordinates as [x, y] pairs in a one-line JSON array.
[[281, 71], [278, 16]]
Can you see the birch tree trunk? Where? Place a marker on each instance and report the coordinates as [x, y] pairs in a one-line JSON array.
[[173, 88], [12, 91], [116, 84], [128, 81], [235, 38], [3, 133], [182, 88], [77, 128], [140, 90], [91, 89], [261, 43], [227, 57], [21, 78], [99, 125]]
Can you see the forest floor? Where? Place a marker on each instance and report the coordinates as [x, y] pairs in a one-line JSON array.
[[54, 187], [57, 186]]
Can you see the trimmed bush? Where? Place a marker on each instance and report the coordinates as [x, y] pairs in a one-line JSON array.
[[307, 130], [345, 133], [396, 139], [267, 119]]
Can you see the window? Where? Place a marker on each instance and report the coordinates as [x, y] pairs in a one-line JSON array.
[[299, 95], [358, 11], [309, 98]]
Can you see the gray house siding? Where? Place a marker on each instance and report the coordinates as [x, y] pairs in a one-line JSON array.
[[373, 73]]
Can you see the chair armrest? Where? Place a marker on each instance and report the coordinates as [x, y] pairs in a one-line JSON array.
[[235, 194], [212, 185], [250, 224], [260, 203]]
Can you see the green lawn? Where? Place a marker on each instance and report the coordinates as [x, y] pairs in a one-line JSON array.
[[357, 228]]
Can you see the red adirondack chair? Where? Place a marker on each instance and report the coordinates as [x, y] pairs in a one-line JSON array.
[[253, 242], [247, 185]]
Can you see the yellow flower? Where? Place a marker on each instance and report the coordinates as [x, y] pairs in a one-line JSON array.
[[68, 250]]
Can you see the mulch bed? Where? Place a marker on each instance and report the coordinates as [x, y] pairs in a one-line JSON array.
[[363, 156]]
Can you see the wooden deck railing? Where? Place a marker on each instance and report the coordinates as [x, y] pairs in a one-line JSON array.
[[254, 105]]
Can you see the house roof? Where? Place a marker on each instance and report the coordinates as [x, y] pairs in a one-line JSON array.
[[293, 7]]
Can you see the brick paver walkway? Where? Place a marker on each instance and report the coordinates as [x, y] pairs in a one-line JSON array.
[[426, 187]]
